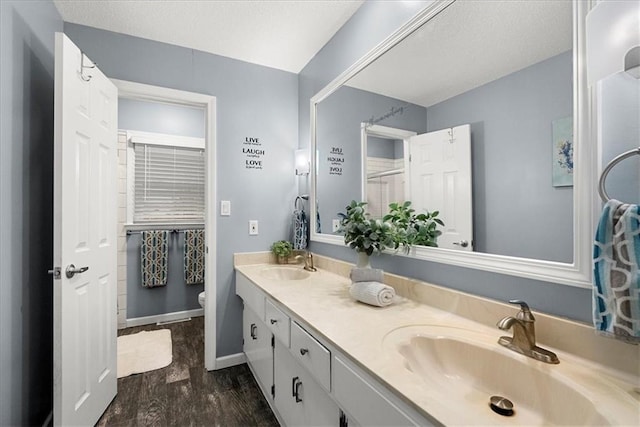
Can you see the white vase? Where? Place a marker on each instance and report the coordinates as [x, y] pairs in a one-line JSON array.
[[363, 260]]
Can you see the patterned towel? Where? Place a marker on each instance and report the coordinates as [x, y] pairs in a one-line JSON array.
[[300, 229], [154, 252], [616, 272], [193, 257]]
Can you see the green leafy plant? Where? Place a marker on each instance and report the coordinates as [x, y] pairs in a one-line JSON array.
[[363, 233], [282, 248], [413, 229]]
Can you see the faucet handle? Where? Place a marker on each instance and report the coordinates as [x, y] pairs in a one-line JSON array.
[[525, 312]]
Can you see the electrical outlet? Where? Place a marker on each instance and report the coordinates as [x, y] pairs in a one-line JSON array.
[[253, 227], [336, 225], [225, 207]]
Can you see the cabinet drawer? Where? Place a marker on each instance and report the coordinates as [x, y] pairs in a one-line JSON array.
[[250, 294], [278, 322], [312, 355], [362, 401]]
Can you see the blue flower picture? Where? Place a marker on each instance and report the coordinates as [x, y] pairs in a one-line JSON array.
[[562, 131]]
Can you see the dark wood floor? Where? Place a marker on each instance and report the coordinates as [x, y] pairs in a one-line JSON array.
[[184, 393]]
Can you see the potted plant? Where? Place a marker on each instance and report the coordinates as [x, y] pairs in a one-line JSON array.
[[282, 250], [367, 236], [413, 229]]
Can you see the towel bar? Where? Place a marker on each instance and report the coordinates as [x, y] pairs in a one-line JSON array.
[[601, 190]]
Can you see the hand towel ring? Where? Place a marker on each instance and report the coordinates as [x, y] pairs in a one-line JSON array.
[[601, 190]]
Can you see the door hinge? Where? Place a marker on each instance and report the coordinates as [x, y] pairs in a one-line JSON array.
[[273, 341], [56, 272], [273, 391], [242, 341]]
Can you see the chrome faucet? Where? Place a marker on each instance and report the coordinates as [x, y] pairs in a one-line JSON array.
[[524, 335], [308, 262]]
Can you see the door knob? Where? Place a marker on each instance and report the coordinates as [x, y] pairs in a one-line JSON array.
[[72, 270], [462, 243]]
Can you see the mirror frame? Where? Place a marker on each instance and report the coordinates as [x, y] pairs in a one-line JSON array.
[[578, 273]]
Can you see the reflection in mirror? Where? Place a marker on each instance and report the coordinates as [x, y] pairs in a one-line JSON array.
[[502, 71]]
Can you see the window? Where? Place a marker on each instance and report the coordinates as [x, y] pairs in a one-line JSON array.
[[166, 177]]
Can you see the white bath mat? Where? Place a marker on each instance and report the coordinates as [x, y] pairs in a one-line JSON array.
[[144, 351]]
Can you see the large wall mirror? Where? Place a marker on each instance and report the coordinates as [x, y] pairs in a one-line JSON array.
[[479, 110]]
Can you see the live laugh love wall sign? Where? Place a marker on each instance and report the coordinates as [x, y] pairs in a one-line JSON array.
[[254, 153]]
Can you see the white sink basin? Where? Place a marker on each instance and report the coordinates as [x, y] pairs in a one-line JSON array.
[[285, 273], [468, 368]]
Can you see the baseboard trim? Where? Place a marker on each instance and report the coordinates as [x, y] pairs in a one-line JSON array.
[[230, 360], [166, 317]]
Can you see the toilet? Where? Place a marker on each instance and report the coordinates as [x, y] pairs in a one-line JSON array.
[[201, 299]]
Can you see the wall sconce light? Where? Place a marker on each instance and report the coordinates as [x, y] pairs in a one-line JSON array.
[[613, 39], [302, 162]]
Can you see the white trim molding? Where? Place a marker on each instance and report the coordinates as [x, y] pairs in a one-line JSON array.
[[578, 273], [165, 317], [230, 360], [152, 138]]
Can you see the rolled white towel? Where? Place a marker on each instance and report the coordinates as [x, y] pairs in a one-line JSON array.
[[372, 293], [367, 275]]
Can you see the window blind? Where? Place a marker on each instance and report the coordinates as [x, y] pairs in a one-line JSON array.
[[169, 184]]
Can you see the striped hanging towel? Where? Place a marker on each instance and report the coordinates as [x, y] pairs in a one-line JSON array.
[[154, 253], [300, 226], [616, 272], [193, 257]]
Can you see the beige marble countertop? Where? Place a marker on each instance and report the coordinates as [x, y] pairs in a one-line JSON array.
[[358, 330]]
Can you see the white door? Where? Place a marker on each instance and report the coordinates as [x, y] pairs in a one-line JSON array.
[[85, 162], [440, 180]]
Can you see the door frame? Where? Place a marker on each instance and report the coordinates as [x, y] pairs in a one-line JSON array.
[[386, 132], [141, 91]]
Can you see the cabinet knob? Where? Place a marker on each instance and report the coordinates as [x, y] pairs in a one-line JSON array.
[[273, 321], [304, 351]]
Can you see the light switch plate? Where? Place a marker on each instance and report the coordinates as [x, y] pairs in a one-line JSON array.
[[225, 207], [253, 227]]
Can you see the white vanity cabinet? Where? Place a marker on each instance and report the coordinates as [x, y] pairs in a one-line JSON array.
[[306, 381], [257, 348], [300, 400]]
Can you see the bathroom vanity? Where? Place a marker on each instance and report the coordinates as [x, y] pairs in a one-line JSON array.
[[431, 358]]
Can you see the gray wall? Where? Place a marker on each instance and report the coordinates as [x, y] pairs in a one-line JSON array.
[[176, 295], [339, 118], [514, 200], [159, 117], [385, 148], [620, 132], [252, 101], [371, 24], [26, 210]]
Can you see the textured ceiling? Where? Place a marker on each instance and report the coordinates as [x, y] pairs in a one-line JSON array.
[[280, 34], [467, 45]]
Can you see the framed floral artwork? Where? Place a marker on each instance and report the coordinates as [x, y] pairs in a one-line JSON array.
[[562, 157]]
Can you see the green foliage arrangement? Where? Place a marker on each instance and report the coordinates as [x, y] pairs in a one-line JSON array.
[[400, 227], [282, 248], [363, 233], [414, 229]]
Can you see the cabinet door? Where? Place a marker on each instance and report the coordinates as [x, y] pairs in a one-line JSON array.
[[257, 348], [299, 399]]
